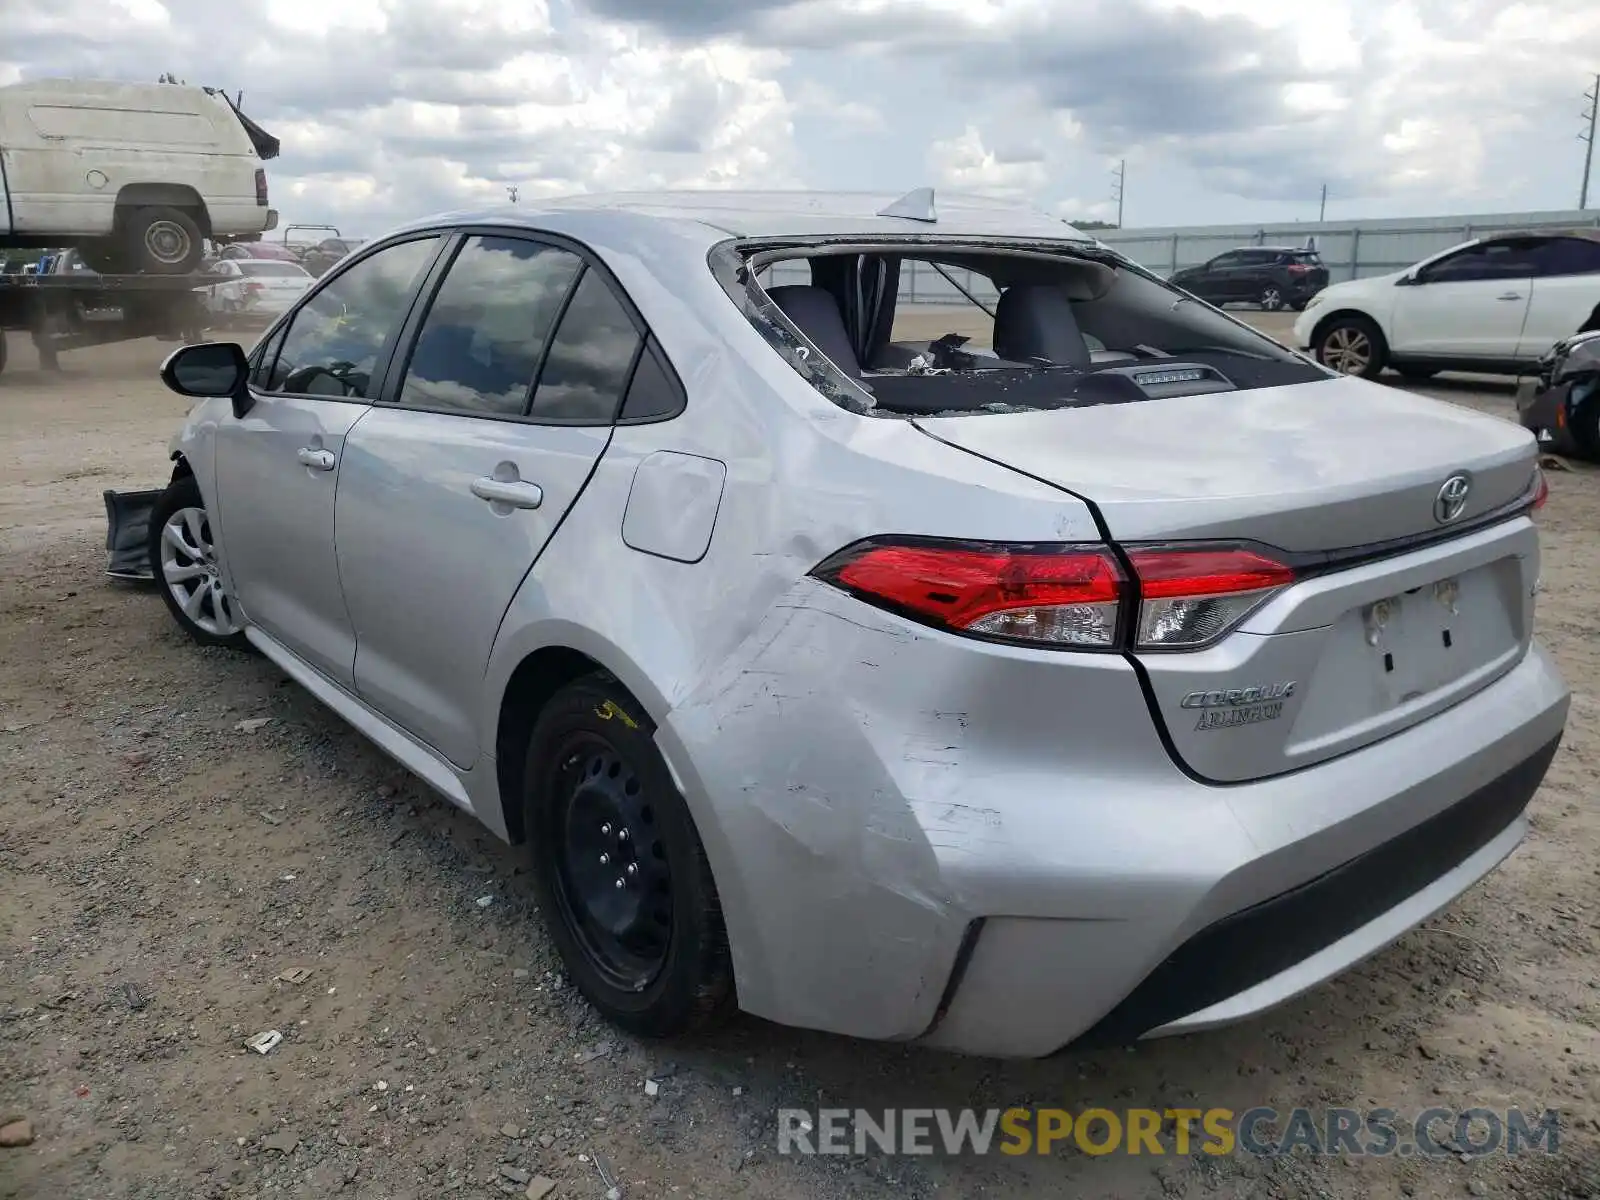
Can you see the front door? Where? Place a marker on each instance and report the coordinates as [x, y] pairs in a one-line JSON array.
[[453, 485], [277, 469], [1469, 305]]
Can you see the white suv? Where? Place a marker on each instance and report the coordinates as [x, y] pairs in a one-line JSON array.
[[1492, 305]]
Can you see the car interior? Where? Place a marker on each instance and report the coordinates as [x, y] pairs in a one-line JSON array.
[[1094, 329]]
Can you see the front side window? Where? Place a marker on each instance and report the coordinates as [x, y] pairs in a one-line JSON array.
[[487, 327], [1487, 260], [336, 339]]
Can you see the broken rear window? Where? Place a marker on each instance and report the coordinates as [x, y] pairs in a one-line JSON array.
[[921, 326]]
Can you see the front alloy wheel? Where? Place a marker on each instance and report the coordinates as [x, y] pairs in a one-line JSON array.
[[184, 561], [1272, 299], [1352, 346]]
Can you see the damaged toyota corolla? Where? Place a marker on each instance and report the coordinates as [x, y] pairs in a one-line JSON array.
[[909, 620]]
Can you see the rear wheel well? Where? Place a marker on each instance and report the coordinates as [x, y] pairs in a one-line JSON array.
[[537, 678], [163, 195]]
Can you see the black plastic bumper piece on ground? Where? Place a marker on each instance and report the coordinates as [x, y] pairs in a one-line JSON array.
[[1250, 946], [128, 534]]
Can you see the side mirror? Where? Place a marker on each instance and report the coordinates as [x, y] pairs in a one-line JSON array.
[[210, 371]]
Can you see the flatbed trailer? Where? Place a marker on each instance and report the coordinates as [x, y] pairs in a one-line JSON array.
[[63, 312]]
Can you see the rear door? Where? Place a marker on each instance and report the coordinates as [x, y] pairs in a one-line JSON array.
[[1470, 304], [489, 430], [1566, 290]]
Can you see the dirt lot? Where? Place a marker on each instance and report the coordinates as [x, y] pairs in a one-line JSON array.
[[163, 865]]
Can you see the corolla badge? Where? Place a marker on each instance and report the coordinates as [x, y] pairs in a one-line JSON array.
[[1229, 708], [1451, 501]]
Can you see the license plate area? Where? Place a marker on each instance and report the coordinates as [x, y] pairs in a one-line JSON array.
[[1388, 663], [1426, 638]]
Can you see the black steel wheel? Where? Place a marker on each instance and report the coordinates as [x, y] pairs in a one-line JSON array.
[[622, 876]]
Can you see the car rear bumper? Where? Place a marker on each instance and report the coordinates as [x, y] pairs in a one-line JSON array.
[[990, 850]]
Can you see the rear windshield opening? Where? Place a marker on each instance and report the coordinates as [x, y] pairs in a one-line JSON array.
[[924, 329]]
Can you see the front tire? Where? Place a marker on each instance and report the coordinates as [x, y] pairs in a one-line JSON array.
[[620, 871], [184, 563], [1352, 345]]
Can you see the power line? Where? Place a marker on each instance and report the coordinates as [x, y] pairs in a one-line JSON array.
[[1588, 139], [1118, 186]]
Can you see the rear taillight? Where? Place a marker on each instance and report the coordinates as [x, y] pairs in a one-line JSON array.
[[261, 187], [1298, 268], [1541, 488], [1062, 596], [1056, 595], [1189, 597], [253, 288]]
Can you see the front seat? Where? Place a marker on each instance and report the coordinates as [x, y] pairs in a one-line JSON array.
[[1035, 321], [816, 314]]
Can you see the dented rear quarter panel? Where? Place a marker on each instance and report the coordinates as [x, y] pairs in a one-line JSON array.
[[735, 657]]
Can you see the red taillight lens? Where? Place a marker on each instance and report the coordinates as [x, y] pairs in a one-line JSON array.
[[1067, 596], [1057, 595], [1191, 596], [1541, 488], [1298, 268], [261, 187]]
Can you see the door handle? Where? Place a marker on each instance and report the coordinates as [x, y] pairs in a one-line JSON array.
[[514, 493], [317, 460], [1510, 296]]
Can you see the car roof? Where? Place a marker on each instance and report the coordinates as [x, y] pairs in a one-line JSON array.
[[754, 214]]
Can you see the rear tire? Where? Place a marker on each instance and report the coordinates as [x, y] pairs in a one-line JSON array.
[[1351, 345], [164, 241], [185, 568], [619, 869]]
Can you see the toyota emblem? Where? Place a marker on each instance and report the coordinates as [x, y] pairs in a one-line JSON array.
[[1451, 501]]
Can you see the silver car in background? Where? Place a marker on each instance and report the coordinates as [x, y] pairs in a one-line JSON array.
[[1110, 672], [254, 291]]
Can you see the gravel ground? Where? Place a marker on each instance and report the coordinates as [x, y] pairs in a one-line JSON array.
[[181, 828]]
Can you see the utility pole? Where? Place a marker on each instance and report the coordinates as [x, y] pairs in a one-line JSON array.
[[1119, 177], [1322, 209], [1588, 139]]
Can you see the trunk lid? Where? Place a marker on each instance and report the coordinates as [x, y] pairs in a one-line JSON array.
[[1344, 656], [1308, 467]]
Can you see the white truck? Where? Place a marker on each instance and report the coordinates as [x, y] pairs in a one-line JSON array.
[[134, 176]]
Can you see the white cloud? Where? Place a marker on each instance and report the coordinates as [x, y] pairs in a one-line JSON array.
[[391, 108]]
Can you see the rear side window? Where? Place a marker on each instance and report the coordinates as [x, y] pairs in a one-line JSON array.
[[1568, 256], [335, 339], [655, 391], [487, 327], [591, 358]]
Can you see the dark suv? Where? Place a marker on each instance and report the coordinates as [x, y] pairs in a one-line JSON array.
[[1272, 277]]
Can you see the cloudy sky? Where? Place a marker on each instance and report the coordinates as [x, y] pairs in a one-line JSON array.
[[1225, 110]]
